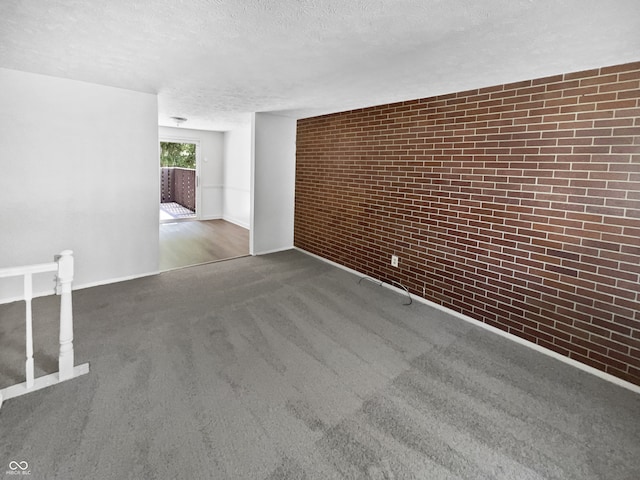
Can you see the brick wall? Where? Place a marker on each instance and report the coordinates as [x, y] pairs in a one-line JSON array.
[[517, 205]]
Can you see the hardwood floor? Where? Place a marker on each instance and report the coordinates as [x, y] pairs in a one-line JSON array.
[[184, 243]]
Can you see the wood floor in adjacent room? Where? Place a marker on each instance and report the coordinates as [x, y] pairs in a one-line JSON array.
[[184, 243]]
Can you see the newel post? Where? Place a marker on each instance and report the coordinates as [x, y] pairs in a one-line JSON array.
[[65, 277]]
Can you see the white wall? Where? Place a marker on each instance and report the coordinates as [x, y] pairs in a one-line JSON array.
[[210, 166], [79, 170], [273, 181], [237, 175]]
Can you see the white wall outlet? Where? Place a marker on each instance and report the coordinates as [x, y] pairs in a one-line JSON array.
[[394, 260]]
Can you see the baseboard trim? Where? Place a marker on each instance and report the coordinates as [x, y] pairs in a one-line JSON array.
[[277, 250], [81, 286], [114, 280], [236, 222], [594, 371]]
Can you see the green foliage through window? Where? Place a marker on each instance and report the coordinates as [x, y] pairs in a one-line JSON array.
[[178, 155]]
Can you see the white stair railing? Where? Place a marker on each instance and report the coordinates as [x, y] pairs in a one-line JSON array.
[[63, 266]]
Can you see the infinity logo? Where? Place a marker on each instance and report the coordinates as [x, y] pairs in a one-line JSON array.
[[13, 465]]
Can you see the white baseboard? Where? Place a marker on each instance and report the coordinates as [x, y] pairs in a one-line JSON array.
[[235, 221], [21, 299], [113, 280], [80, 286], [594, 371], [267, 252]]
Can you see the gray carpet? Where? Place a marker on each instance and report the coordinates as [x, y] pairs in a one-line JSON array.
[[283, 367]]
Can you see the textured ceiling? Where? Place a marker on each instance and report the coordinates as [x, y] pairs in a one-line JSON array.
[[213, 61]]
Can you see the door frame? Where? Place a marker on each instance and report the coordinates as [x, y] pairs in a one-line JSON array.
[[178, 139]]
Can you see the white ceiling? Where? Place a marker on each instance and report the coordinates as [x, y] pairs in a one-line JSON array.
[[213, 61]]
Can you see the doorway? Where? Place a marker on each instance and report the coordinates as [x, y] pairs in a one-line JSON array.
[[185, 239], [178, 181]]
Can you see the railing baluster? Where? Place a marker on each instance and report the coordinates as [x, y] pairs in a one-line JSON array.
[[28, 296], [64, 267], [65, 277]]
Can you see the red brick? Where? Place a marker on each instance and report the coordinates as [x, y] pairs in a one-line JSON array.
[[620, 85], [625, 67], [599, 80], [521, 213], [623, 77], [582, 74]]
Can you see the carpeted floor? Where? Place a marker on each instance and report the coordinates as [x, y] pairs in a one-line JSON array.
[[283, 367]]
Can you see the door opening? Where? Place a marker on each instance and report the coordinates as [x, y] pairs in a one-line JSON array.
[[178, 181]]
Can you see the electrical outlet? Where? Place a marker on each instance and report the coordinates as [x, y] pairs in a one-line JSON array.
[[394, 260]]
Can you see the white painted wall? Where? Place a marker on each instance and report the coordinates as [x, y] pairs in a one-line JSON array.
[[237, 175], [79, 170], [210, 166], [273, 181]]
